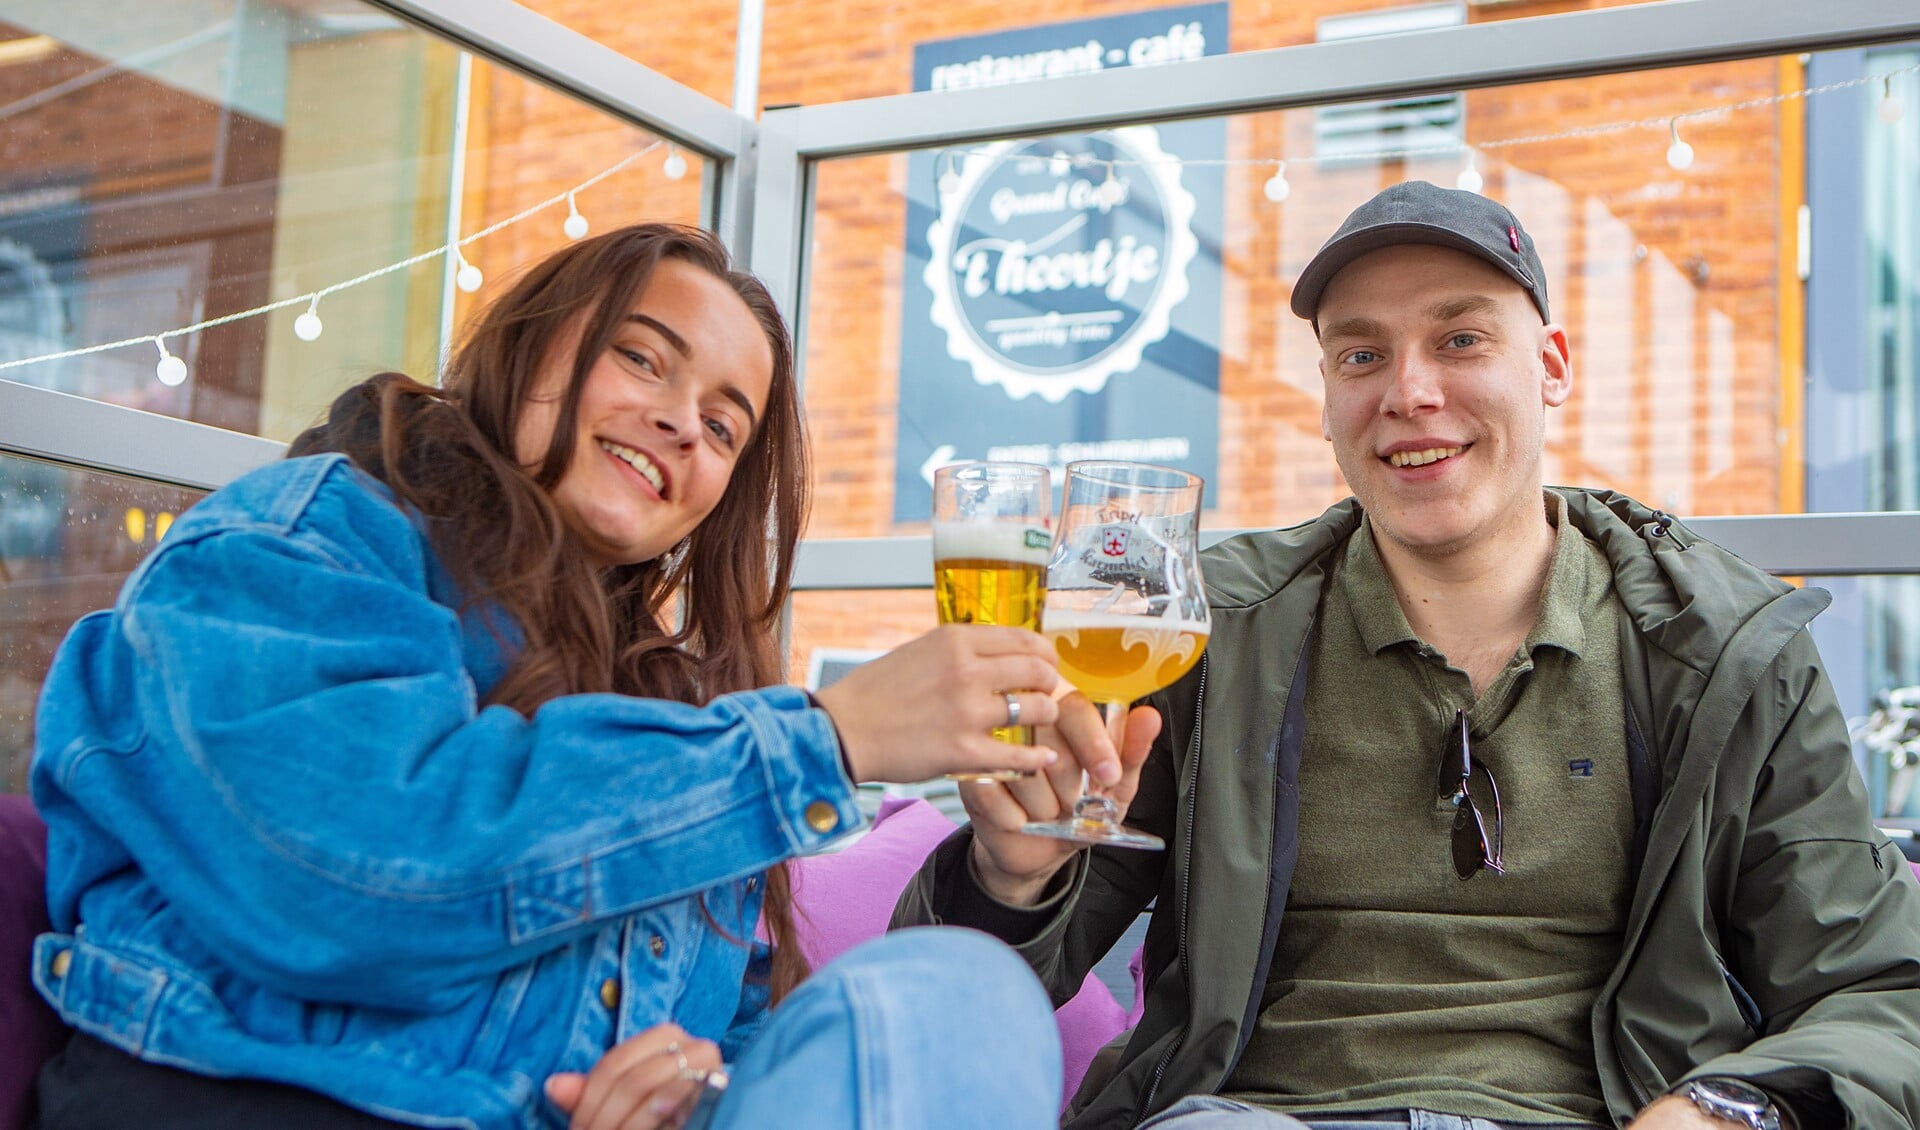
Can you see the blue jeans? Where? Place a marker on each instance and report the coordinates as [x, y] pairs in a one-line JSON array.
[[1211, 1112], [924, 1027]]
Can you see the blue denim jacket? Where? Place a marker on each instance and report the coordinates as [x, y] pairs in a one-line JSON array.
[[286, 842]]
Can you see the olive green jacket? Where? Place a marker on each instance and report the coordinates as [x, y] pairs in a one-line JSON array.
[[1773, 935]]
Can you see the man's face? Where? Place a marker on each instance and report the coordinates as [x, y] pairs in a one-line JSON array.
[[1438, 375]]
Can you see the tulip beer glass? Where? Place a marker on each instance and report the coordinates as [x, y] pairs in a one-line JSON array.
[[1125, 607]]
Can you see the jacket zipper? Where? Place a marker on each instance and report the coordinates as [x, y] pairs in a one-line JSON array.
[[1193, 758]]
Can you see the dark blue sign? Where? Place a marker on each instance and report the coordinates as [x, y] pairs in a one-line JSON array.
[[1062, 296]]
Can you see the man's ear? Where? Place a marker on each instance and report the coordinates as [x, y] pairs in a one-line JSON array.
[[1326, 425], [1556, 362]]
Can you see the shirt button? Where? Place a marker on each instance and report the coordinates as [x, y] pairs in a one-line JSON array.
[[657, 946], [610, 993], [62, 961], [821, 816]]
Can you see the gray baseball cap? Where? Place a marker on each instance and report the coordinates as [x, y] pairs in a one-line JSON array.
[[1417, 212]]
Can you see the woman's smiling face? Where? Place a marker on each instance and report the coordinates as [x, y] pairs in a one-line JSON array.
[[664, 415]]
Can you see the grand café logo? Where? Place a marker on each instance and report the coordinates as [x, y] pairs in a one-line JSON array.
[[1049, 274]]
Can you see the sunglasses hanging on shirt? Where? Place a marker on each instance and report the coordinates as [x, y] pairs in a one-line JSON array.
[[1473, 847]]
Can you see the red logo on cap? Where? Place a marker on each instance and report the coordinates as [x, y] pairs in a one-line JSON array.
[[1513, 237]]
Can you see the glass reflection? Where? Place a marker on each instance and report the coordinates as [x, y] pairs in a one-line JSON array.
[[68, 539]]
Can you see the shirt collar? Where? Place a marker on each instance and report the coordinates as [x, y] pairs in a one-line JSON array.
[[1381, 623]]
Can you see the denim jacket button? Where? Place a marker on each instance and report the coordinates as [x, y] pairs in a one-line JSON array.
[[610, 993], [61, 962], [821, 816], [657, 946]]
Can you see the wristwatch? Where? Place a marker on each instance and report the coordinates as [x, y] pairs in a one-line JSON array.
[[1734, 1101]]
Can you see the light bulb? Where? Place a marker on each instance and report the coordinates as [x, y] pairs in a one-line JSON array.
[[1277, 188], [1059, 164], [575, 224], [1891, 109], [950, 178], [675, 166], [468, 277], [307, 326], [1679, 154], [1470, 179], [170, 371]]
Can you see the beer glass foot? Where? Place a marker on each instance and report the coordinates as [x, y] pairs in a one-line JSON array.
[[1097, 833]]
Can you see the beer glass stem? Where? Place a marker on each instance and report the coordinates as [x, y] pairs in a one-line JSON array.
[[1094, 805]]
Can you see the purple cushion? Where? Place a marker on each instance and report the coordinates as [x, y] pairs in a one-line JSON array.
[[847, 897], [1916, 869], [29, 1030]]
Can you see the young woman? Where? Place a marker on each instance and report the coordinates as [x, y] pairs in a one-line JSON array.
[[438, 774]]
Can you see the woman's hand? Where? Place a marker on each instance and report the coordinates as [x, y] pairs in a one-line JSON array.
[[649, 1081], [928, 706]]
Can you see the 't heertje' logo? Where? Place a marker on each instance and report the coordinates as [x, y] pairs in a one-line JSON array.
[[1051, 273]]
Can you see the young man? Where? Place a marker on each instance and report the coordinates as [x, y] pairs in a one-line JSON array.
[[1674, 909]]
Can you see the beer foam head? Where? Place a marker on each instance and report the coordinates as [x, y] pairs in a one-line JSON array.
[[991, 541], [1073, 620]]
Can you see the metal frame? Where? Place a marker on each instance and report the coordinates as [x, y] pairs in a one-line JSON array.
[[1787, 545], [78, 432], [581, 68]]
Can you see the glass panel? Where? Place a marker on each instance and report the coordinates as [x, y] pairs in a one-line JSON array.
[[819, 51], [689, 41], [68, 538], [177, 162], [1678, 288], [1868, 640]]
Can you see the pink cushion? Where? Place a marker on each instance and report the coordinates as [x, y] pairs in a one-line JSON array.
[[29, 1030], [1916, 869], [847, 897]]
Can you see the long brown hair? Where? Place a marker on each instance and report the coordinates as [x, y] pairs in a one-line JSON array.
[[449, 452]]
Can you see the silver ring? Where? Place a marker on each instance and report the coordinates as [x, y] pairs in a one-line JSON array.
[[679, 1059], [1013, 709]]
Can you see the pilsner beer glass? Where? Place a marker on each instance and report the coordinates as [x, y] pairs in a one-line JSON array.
[[1125, 608], [991, 537]]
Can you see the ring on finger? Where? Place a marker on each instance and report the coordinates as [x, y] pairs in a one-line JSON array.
[[1013, 708], [679, 1058]]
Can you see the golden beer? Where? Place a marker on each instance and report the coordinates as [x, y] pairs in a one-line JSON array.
[[1122, 658], [991, 574]]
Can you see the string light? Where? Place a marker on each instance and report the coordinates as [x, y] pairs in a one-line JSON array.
[[468, 277], [1277, 188], [1059, 164], [1679, 154], [307, 326], [171, 371], [177, 370], [575, 225], [1470, 179]]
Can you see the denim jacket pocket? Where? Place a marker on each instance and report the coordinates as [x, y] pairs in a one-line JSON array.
[[96, 990]]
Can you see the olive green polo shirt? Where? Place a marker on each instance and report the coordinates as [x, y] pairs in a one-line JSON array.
[[1394, 983]]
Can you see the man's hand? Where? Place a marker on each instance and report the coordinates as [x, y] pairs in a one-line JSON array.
[[1015, 867], [648, 1081]]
